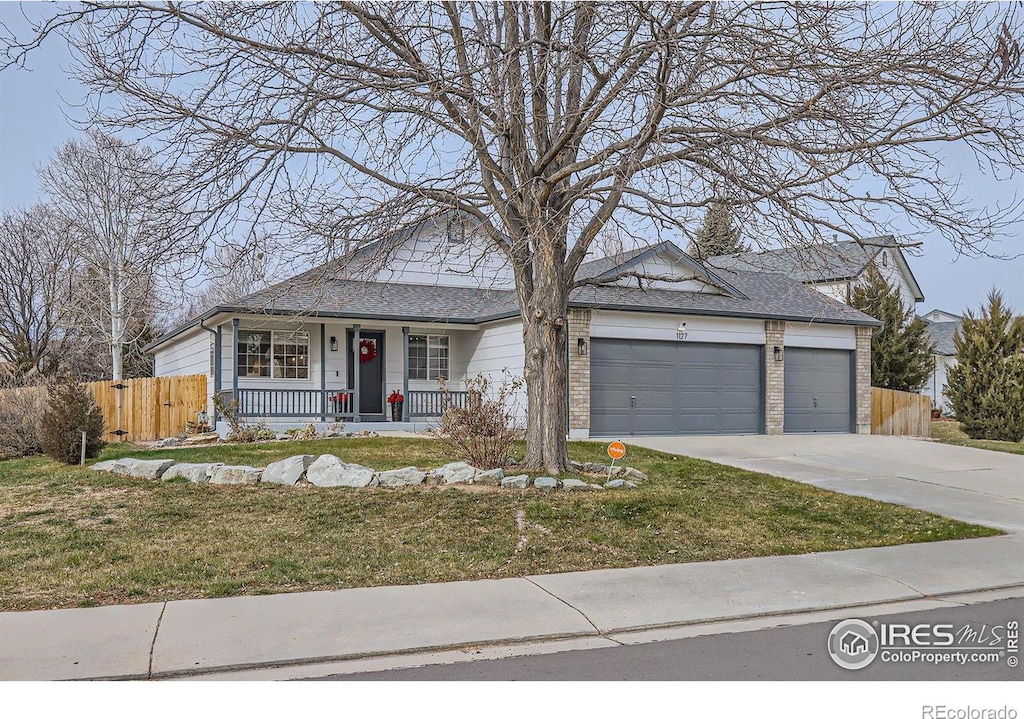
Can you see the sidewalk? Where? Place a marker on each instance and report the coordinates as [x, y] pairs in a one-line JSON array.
[[193, 637]]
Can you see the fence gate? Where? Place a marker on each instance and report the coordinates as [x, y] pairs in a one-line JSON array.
[[149, 408]]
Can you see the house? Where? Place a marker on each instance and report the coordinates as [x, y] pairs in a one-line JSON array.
[[833, 268], [853, 643], [657, 342], [941, 328]]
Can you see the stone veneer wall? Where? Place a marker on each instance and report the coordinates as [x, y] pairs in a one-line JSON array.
[[774, 378], [862, 360], [579, 375]]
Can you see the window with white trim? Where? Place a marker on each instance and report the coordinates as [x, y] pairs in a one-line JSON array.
[[428, 357], [273, 353]]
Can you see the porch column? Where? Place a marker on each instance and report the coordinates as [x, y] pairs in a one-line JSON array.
[[355, 371], [218, 368], [234, 360], [323, 374], [405, 373]]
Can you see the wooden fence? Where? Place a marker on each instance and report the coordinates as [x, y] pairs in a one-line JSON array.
[[900, 413], [150, 407]]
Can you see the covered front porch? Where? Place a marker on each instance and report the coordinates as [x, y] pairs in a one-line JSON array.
[[296, 372]]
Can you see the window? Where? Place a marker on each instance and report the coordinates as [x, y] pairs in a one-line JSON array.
[[428, 357], [281, 355]]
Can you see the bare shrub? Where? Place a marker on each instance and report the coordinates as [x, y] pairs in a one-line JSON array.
[[484, 430], [21, 409], [240, 430]]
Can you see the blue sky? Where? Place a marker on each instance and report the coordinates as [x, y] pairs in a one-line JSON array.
[[38, 107]]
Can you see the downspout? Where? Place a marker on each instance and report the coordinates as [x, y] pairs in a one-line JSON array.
[[216, 365]]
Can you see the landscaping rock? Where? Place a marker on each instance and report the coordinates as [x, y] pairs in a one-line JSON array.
[[594, 468], [619, 484], [401, 477], [169, 442], [520, 481], [283, 436], [198, 473], [235, 474], [208, 438], [457, 473], [142, 468], [490, 477], [574, 485], [107, 466], [330, 471], [634, 474], [596, 486], [576, 465], [545, 483], [288, 471]]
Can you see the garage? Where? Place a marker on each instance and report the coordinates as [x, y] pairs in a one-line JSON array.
[[818, 390], [640, 387]]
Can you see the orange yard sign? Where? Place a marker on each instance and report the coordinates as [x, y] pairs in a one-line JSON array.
[[616, 450]]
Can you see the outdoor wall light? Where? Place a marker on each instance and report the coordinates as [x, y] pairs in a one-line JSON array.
[[581, 346], [777, 351], [334, 344]]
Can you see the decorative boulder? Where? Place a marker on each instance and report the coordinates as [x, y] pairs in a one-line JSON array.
[[235, 474], [206, 438], [330, 471], [594, 468], [619, 484], [519, 481], [401, 477], [545, 483], [458, 473], [633, 473], [195, 473], [143, 468], [107, 466], [490, 477], [288, 471], [574, 485], [169, 442]]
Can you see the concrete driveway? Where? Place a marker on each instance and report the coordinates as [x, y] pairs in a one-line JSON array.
[[974, 485]]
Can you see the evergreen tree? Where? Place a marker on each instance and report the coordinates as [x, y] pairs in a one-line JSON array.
[[986, 386], [902, 354], [718, 235]]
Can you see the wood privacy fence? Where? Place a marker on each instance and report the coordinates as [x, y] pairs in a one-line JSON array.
[[900, 413], [149, 408]]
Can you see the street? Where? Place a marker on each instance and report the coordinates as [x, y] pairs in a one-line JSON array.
[[786, 653]]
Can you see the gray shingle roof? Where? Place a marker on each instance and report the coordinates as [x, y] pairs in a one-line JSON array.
[[596, 268], [941, 334], [808, 263]]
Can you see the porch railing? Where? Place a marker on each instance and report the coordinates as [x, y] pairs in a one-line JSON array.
[[330, 403], [431, 403]]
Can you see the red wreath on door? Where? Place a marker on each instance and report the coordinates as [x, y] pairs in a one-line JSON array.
[[367, 350]]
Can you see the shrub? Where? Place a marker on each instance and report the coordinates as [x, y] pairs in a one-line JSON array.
[[70, 410], [986, 386], [21, 410], [483, 431], [238, 429]]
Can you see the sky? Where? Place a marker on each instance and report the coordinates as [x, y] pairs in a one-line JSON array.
[[39, 106]]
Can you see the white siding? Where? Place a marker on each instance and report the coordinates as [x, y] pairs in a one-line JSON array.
[[497, 348], [663, 265], [802, 334], [187, 354], [936, 387], [890, 271], [644, 326]]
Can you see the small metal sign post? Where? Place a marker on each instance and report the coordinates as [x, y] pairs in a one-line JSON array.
[[616, 450]]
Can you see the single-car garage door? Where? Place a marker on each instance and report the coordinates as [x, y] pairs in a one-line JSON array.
[[644, 388], [817, 396]]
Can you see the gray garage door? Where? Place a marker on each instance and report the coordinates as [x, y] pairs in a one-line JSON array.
[[817, 393], [641, 387]]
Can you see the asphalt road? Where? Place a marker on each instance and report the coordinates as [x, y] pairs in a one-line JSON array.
[[787, 653]]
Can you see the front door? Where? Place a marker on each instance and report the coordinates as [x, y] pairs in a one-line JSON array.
[[371, 373]]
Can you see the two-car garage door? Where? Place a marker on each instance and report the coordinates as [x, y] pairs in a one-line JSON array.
[[646, 388], [640, 387]]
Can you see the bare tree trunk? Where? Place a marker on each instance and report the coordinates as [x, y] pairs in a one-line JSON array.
[[544, 336]]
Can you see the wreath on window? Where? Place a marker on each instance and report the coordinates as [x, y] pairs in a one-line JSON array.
[[367, 350]]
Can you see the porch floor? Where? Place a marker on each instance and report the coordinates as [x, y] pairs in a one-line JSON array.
[[281, 426]]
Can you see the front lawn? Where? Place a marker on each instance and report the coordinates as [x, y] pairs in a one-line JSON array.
[[949, 433], [72, 537]]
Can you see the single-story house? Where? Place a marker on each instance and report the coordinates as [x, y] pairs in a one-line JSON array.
[[941, 328], [657, 342], [833, 268]]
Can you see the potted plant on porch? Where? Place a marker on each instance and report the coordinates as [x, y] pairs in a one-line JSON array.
[[396, 400]]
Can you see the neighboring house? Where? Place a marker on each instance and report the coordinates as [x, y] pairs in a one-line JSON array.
[[941, 327], [833, 268], [713, 352]]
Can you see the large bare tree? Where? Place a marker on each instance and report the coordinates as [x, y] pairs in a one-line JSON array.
[[548, 123], [37, 267], [128, 226]]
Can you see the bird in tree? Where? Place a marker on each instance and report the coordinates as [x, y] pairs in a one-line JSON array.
[[718, 235], [902, 354]]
